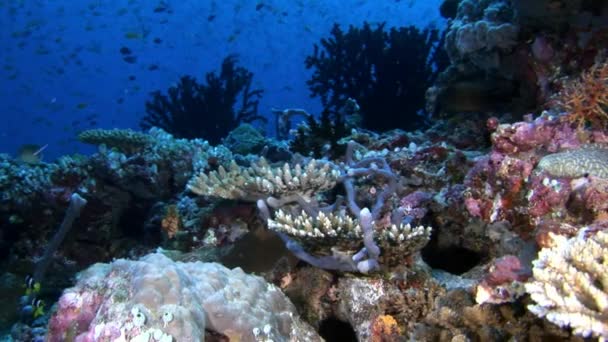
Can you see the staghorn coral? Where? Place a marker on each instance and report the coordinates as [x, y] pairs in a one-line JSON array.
[[122, 139], [585, 100], [570, 285], [261, 180], [589, 160]]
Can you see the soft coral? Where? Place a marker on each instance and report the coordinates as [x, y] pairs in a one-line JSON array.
[[585, 100]]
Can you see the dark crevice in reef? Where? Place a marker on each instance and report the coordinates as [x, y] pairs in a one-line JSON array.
[[333, 329], [453, 259]]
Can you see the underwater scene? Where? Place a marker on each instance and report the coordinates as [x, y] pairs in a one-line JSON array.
[[270, 170]]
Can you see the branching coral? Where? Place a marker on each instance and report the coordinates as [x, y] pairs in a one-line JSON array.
[[193, 110], [570, 284], [585, 100], [320, 137], [342, 234], [324, 236], [387, 73], [261, 180]]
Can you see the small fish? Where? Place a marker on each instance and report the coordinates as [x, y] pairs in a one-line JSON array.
[[39, 119], [161, 7], [132, 35], [37, 307], [211, 17], [132, 78], [130, 59], [32, 287], [31, 154], [153, 67], [125, 50], [81, 106], [157, 40], [259, 6]]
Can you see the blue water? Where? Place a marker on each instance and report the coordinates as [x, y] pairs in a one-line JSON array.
[[62, 70]]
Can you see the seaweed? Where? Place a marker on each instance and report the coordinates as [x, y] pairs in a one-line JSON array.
[[193, 110]]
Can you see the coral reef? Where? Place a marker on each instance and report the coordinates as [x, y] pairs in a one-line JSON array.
[[192, 110], [336, 219], [512, 56], [155, 298], [387, 73]]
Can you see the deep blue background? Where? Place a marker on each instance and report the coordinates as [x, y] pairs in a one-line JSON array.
[[62, 71]]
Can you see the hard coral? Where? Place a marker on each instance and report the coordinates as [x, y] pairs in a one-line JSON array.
[[589, 160], [585, 100], [157, 299], [193, 110], [570, 286], [125, 140]]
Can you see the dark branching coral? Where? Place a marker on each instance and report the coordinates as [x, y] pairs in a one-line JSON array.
[[192, 110], [317, 138], [387, 73]]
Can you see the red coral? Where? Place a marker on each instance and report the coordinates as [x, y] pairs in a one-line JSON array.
[[585, 99]]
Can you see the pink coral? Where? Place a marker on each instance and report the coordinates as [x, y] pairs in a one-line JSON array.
[[78, 309], [503, 282], [157, 299], [413, 204]]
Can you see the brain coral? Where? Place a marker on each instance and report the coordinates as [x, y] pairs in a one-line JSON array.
[[157, 299], [588, 160]]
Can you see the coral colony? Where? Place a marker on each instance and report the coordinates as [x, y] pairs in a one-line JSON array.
[[454, 187]]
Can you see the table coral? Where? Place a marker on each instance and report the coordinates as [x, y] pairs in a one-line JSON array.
[[123, 139], [262, 180]]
